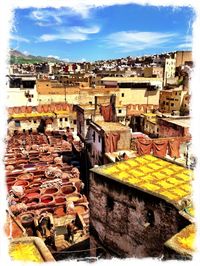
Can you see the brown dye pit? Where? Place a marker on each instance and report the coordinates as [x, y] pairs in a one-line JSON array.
[[60, 200], [51, 191], [68, 189]]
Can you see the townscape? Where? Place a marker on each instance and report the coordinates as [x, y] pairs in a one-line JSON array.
[[98, 161]]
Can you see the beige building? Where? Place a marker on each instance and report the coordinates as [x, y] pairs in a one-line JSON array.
[[136, 90], [171, 100], [156, 72], [183, 56], [169, 70]]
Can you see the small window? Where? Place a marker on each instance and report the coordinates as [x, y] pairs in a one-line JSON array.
[[120, 111], [47, 85], [34, 121], [66, 119], [99, 139], [60, 119], [172, 104], [17, 123], [74, 122], [167, 103], [93, 136], [163, 102], [157, 129], [110, 203], [122, 94]]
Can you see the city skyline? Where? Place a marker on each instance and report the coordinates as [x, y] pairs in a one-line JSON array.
[[102, 33]]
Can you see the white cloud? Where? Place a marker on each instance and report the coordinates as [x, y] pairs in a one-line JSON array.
[[187, 45], [128, 41], [18, 38], [54, 56], [72, 34], [26, 52]]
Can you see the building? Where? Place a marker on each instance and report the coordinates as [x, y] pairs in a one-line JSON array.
[[169, 69], [182, 57], [106, 137], [135, 205], [21, 91], [135, 90], [153, 72], [172, 100], [174, 126], [150, 126]]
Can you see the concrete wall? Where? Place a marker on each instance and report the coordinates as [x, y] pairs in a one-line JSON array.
[[138, 96], [16, 97], [118, 214]]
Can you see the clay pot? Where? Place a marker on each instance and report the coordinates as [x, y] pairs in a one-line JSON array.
[[22, 183], [47, 199], [51, 191], [68, 189]]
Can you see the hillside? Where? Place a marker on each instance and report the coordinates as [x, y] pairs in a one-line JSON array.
[[17, 57]]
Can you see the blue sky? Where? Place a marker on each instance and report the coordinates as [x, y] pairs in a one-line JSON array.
[[102, 32]]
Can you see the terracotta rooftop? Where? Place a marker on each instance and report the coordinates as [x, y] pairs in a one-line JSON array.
[[112, 126], [152, 175]]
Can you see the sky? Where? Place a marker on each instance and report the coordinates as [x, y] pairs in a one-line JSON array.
[[103, 32]]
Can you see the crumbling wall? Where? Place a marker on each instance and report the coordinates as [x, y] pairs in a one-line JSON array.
[[129, 222]]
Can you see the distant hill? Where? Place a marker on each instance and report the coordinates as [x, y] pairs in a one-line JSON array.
[[17, 57]]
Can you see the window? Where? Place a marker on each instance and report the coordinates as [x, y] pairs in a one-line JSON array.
[[122, 94], [60, 119], [163, 102], [167, 103], [120, 111], [93, 136], [172, 104], [66, 119], [17, 123], [99, 139], [110, 203], [34, 121], [157, 129], [74, 122], [47, 85]]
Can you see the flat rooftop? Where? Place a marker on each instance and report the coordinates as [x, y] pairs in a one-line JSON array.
[[130, 79], [111, 126], [183, 122], [152, 175]]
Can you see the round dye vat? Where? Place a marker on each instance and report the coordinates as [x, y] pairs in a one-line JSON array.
[[59, 212], [35, 184], [51, 191], [60, 200], [68, 189], [10, 180], [32, 193], [74, 197], [26, 177], [47, 199], [32, 201], [26, 218], [80, 209], [21, 183]]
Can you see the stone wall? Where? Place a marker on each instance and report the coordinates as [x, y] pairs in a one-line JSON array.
[[122, 218]]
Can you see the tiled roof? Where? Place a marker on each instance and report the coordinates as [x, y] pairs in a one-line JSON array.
[[152, 175]]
